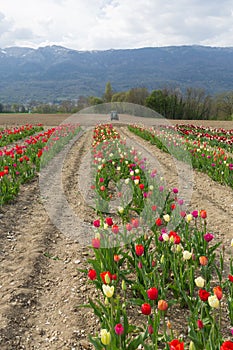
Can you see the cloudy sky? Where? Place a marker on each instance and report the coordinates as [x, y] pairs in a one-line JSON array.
[[106, 24]]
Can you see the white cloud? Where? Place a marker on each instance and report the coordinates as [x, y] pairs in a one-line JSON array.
[[104, 24]]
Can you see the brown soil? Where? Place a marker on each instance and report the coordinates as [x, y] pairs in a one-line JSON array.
[[40, 283], [23, 118]]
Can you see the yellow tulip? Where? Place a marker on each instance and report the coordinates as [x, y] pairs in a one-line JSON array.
[[213, 301], [166, 217], [108, 290], [105, 337], [189, 217], [187, 255], [192, 346], [200, 282]]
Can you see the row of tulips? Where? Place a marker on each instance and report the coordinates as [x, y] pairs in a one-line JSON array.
[[210, 137], [22, 162], [213, 161], [105, 132], [214, 136], [153, 261], [10, 135]]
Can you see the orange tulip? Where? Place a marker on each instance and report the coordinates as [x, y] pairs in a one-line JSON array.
[[203, 260], [203, 214], [218, 292], [162, 305]]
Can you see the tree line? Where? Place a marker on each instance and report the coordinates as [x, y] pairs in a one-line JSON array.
[[172, 103]]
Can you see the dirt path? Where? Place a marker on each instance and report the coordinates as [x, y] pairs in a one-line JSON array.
[[40, 284]]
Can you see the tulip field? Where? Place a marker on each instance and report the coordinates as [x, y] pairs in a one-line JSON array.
[[154, 273]]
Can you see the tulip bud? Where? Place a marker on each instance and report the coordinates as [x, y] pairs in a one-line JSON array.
[[150, 329], [200, 324], [178, 248], [107, 278], [121, 210], [123, 285], [97, 235], [172, 239], [192, 346], [116, 257]]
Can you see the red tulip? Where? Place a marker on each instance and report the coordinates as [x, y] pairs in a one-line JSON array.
[[96, 223], [158, 222], [115, 229], [106, 277], [146, 309], [128, 227], [200, 324], [109, 221], [152, 293], [139, 249], [135, 223], [92, 274], [227, 345], [230, 278], [150, 329], [203, 294], [176, 345], [203, 214]]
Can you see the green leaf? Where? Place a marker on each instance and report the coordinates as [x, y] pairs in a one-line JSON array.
[[135, 343], [96, 342]]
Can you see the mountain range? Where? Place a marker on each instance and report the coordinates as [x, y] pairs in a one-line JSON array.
[[54, 73]]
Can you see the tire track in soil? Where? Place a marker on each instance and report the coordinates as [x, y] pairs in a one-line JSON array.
[[22, 263], [40, 294], [207, 194]]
